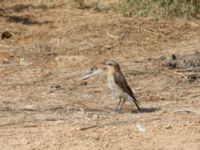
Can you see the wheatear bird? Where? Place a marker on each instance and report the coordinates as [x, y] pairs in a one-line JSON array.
[[118, 85]]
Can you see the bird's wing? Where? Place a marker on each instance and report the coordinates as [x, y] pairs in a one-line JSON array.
[[122, 83]]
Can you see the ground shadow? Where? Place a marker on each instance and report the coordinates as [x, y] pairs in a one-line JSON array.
[[146, 110], [23, 20], [26, 20], [111, 110]]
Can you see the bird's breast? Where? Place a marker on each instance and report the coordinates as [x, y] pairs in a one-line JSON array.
[[113, 86], [111, 82]]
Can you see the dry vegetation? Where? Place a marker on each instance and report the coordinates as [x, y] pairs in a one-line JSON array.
[[47, 46], [161, 8]]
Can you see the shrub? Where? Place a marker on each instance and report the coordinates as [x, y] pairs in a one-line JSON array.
[[160, 8]]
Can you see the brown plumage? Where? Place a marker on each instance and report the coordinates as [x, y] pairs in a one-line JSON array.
[[119, 86]]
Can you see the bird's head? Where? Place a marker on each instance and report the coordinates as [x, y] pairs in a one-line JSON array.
[[112, 65]]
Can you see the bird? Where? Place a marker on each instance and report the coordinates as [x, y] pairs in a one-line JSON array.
[[119, 86]]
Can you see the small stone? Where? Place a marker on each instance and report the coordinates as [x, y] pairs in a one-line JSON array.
[[130, 136], [83, 83], [95, 116], [108, 47], [106, 144], [168, 127], [171, 65], [173, 57], [6, 35], [97, 138], [191, 78], [56, 86]]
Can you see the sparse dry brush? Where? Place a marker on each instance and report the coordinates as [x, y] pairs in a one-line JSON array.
[[153, 8], [144, 8], [160, 8]]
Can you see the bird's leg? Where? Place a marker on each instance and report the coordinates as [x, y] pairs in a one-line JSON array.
[[117, 108], [122, 103]]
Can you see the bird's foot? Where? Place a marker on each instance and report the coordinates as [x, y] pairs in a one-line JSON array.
[[118, 110]]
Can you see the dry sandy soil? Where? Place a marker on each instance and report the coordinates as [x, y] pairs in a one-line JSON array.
[[44, 104]]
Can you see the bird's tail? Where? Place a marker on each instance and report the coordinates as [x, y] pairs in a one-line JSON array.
[[136, 102]]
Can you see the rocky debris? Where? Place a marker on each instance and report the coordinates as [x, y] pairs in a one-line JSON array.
[[6, 35], [55, 87], [191, 78], [171, 62], [168, 127], [190, 61], [171, 65]]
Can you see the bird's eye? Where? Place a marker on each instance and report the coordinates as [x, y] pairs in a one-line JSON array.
[[109, 64]]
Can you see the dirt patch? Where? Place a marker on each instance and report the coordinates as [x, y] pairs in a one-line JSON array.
[[44, 104]]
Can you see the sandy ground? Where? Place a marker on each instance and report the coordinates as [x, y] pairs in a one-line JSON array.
[[44, 104]]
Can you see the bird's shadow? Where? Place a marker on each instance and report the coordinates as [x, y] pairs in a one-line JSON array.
[[146, 110]]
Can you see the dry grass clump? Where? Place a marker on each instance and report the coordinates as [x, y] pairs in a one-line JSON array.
[[160, 8], [144, 8]]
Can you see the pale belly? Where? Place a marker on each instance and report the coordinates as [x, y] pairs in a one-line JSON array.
[[115, 89]]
